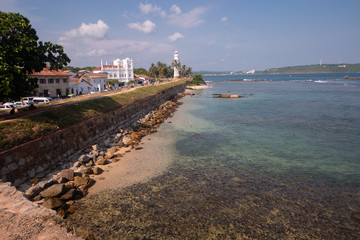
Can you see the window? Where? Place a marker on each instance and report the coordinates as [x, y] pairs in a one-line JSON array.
[[58, 92], [50, 80], [57, 80], [42, 81], [65, 80]]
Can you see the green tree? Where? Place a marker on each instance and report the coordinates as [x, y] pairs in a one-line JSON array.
[[140, 71], [161, 67], [188, 72], [197, 80], [21, 53], [153, 71]]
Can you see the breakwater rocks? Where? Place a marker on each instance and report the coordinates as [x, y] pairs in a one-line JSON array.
[[62, 191], [217, 95]]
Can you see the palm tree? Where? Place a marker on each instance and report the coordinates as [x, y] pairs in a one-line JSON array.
[[182, 71], [153, 71], [161, 69], [188, 72]]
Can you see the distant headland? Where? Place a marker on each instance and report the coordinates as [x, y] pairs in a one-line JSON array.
[[316, 68]]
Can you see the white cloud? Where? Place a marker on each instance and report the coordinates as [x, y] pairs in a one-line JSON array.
[[92, 30], [149, 8], [176, 17], [188, 19], [175, 36], [224, 19], [175, 9], [105, 47], [145, 27]]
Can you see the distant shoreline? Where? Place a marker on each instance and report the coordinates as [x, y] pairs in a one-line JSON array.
[[263, 73]]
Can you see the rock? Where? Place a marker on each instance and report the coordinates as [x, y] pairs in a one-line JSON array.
[[46, 184], [112, 150], [86, 171], [33, 191], [68, 195], [81, 180], [101, 161], [95, 147], [118, 154], [70, 202], [109, 155], [89, 164], [52, 203], [67, 174], [138, 148], [357, 216], [37, 198], [77, 164], [61, 212], [54, 191], [84, 158], [62, 180], [97, 170], [127, 140], [70, 184]]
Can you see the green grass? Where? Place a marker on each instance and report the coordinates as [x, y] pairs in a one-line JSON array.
[[21, 130]]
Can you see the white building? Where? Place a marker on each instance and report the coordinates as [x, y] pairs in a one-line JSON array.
[[122, 70], [176, 67], [84, 83]]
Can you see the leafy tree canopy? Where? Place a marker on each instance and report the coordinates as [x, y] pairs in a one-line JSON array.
[[197, 80], [141, 71], [21, 53]]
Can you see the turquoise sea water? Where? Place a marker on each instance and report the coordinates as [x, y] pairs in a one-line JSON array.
[[281, 163], [306, 129]]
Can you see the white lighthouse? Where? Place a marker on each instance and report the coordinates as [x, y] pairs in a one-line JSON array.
[[176, 65]]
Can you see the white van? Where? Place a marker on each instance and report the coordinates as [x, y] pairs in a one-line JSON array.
[[37, 100], [27, 99]]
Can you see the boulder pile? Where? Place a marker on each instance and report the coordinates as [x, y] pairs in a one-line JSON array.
[[65, 188]]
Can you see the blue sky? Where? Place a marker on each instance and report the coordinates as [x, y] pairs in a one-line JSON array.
[[210, 35]]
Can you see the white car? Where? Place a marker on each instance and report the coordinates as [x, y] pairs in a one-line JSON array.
[[21, 104], [7, 106]]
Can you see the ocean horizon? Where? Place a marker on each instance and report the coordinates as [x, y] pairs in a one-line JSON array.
[[281, 163]]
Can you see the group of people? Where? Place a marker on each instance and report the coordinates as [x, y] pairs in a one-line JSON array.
[[31, 107]]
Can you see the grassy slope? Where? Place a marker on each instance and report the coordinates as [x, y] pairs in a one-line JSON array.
[[21, 130]]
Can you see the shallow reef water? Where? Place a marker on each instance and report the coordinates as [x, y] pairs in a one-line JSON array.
[[218, 202], [280, 163]]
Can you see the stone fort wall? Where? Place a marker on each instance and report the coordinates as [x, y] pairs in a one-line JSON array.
[[45, 154]]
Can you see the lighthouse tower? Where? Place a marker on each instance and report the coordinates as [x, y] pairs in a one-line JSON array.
[[176, 67]]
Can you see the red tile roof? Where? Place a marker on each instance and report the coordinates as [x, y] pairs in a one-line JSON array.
[[47, 72]]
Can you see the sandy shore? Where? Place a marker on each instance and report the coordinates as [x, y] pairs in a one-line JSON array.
[[198, 87], [137, 165]]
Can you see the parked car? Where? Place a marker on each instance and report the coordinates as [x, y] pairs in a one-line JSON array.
[[38, 100], [7, 106], [22, 104]]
